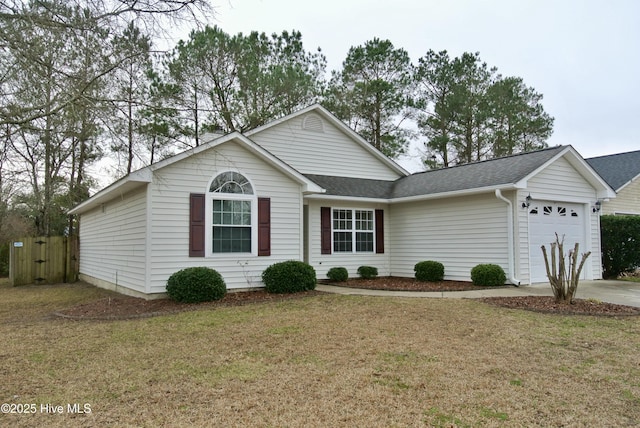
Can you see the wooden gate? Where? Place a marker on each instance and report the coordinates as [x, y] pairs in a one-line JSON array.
[[44, 260]]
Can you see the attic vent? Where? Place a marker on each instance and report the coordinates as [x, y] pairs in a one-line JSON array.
[[312, 122]]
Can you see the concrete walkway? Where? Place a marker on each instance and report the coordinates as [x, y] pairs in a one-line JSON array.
[[618, 292]]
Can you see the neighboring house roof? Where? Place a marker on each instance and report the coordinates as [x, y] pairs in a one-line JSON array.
[[617, 170], [502, 173]]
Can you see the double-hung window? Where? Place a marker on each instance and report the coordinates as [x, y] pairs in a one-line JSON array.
[[353, 231], [231, 226], [232, 211]]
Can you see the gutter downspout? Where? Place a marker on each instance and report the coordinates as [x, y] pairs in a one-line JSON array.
[[510, 239]]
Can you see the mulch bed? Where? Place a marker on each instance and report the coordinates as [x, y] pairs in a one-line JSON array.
[[547, 304], [543, 304], [126, 307], [408, 284]]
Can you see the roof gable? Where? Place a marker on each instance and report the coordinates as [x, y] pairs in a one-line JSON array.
[[617, 170], [144, 175], [312, 148]]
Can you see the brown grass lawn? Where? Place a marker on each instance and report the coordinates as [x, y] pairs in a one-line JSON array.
[[320, 361]]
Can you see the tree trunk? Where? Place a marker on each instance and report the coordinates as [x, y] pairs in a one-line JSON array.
[[564, 283]]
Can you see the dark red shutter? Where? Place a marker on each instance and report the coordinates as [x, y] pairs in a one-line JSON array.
[[380, 231], [196, 225], [325, 230], [264, 226]]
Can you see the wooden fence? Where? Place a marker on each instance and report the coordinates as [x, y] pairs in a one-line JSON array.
[[44, 260]]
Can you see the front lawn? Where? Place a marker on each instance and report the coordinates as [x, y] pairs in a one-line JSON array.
[[326, 360]]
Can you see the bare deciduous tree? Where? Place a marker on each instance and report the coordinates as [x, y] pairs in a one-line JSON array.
[[563, 275]]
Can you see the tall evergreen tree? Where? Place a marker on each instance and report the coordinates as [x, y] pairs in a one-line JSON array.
[[468, 112], [371, 93], [130, 86], [437, 78], [518, 121], [237, 83]]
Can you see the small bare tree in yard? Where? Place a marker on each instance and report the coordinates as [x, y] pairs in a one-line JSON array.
[[562, 277]]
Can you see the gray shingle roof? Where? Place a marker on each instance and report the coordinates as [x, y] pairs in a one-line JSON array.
[[617, 170], [490, 173], [358, 187]]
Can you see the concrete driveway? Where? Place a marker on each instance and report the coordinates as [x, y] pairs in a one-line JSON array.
[[618, 292]]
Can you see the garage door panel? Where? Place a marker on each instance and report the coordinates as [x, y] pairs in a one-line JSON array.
[[545, 220]]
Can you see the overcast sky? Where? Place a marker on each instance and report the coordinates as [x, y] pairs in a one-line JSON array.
[[583, 56]]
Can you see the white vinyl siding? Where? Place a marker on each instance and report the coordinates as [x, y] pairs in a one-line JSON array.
[[112, 241], [326, 152], [627, 201], [457, 232], [561, 183], [351, 260], [170, 216]]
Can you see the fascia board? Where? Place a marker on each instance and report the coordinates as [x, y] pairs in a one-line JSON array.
[[325, 197], [117, 189], [464, 192]]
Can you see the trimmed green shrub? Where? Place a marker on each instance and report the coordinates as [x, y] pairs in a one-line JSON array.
[[620, 244], [338, 274], [429, 271], [488, 275], [289, 277], [367, 272], [196, 284]]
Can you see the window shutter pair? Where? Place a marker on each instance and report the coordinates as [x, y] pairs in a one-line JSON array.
[[325, 231], [197, 225]]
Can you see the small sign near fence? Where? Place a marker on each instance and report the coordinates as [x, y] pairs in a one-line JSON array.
[[44, 260]]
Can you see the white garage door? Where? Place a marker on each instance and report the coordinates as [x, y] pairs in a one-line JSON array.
[[545, 220]]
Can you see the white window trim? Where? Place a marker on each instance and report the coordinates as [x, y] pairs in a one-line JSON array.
[[208, 236], [353, 230]]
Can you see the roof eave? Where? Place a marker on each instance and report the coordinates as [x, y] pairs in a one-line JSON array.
[[326, 197], [627, 183], [118, 189], [462, 192], [603, 189]]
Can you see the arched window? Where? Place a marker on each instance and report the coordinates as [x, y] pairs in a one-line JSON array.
[[231, 206], [231, 182]]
